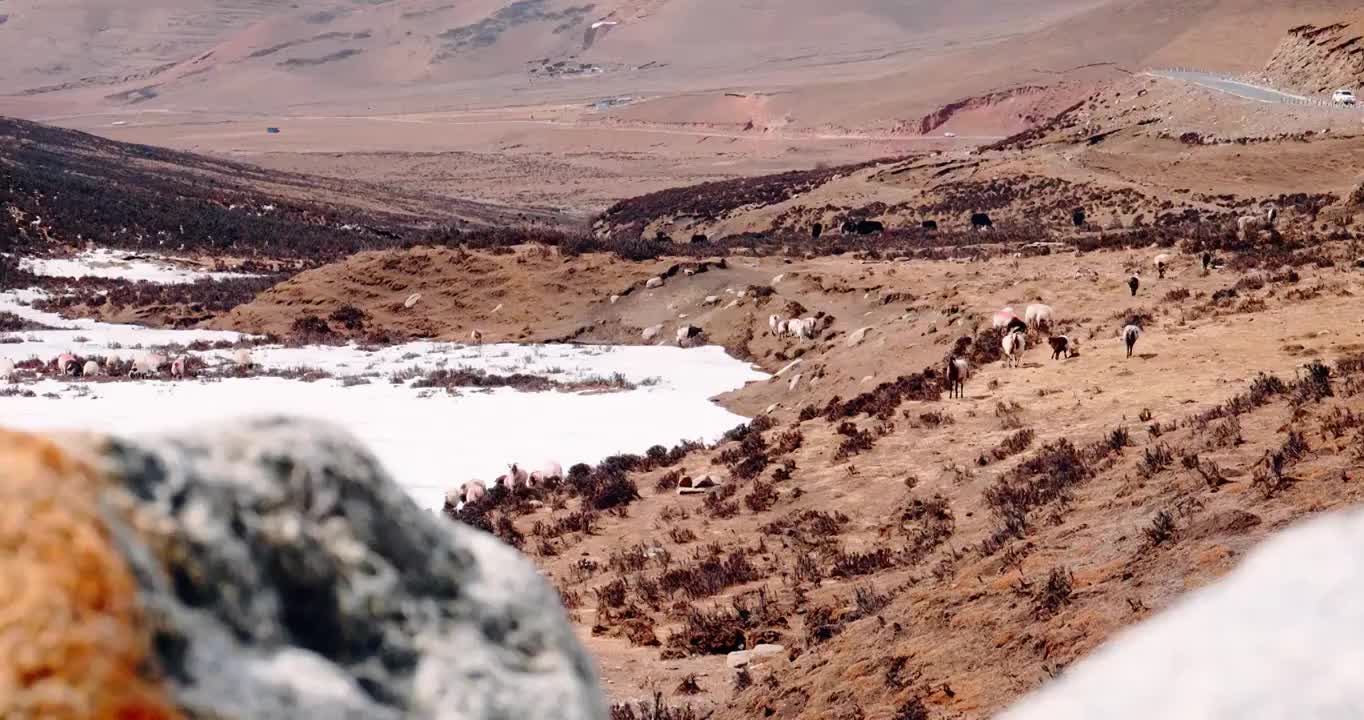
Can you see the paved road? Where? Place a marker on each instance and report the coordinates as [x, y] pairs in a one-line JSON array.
[[1232, 87]]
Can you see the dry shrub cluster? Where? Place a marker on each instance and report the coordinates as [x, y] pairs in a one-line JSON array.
[[708, 572]]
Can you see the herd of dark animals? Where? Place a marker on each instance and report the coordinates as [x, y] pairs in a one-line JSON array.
[[979, 221]]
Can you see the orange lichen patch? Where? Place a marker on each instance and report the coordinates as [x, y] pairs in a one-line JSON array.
[[71, 640]]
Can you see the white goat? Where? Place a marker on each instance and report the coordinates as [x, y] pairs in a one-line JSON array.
[[1129, 337], [1039, 316], [1014, 344]]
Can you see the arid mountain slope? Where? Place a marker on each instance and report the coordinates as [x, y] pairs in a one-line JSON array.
[[244, 56], [1320, 58]]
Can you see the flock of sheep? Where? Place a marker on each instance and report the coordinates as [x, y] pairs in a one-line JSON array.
[[149, 364], [472, 491], [1039, 317]]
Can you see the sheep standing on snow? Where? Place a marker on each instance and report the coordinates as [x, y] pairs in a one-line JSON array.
[[476, 336], [1039, 316], [1061, 345], [1014, 344], [958, 370], [67, 364], [1162, 261], [1133, 283], [6, 370], [179, 368], [242, 359], [1129, 337], [147, 365], [91, 369]]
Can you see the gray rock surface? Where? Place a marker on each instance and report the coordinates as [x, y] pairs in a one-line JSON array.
[[1280, 638], [286, 575]]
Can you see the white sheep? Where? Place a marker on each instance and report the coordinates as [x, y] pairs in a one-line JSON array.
[[1004, 318], [1039, 315], [472, 491], [91, 369], [1014, 344], [1162, 261], [6, 370], [178, 368], [242, 359], [776, 324], [67, 364], [546, 471], [147, 364], [1247, 224], [1129, 337], [801, 328], [476, 336]]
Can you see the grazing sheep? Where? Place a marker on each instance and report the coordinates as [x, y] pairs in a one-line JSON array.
[[1134, 282], [242, 359], [816, 230], [803, 329], [178, 369], [91, 369], [776, 324], [929, 225], [1039, 315], [981, 221], [1129, 337], [687, 332], [546, 471], [1207, 262], [1060, 345], [1003, 318], [1014, 344], [6, 370], [472, 491], [67, 364], [651, 332], [147, 365], [476, 336], [958, 370], [1247, 224], [1077, 217], [1162, 261]]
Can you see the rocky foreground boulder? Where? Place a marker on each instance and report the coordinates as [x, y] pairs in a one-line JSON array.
[[264, 569]]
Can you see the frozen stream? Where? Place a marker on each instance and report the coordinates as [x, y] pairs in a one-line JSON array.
[[428, 439]]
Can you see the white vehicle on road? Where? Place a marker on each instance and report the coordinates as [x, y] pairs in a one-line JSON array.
[[1343, 97]]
